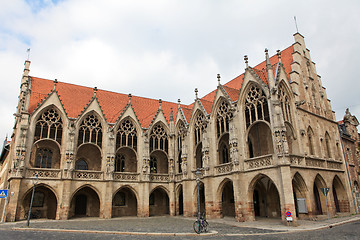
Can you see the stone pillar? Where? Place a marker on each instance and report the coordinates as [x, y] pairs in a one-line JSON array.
[[10, 214], [243, 207], [64, 203], [172, 199], [189, 198], [143, 206], [286, 193], [106, 206]]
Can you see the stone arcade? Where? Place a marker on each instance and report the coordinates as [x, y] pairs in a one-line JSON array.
[[266, 142]]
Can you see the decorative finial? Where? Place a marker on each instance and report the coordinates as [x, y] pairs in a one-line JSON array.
[[179, 101], [218, 77], [279, 55], [55, 82], [267, 57], [171, 114], [160, 101], [129, 97], [95, 90], [246, 61], [196, 93], [28, 54]]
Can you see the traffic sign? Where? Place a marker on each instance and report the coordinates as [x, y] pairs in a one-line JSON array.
[[3, 193], [325, 191], [288, 214]]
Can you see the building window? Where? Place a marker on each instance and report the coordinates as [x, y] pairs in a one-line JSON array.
[[284, 102], [153, 165], [81, 165], [49, 125], [90, 131], [159, 139], [43, 158], [126, 135], [200, 125], [256, 106], [120, 163], [223, 117]]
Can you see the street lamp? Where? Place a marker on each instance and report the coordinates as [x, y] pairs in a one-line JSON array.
[[198, 175], [35, 180]]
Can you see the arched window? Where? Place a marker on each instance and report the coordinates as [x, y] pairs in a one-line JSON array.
[[200, 125], [284, 102], [49, 125], [43, 158], [126, 135], [223, 117], [153, 165], [90, 131], [256, 106], [81, 165], [225, 154], [120, 163], [327, 145], [181, 131], [310, 135], [313, 96], [159, 139]]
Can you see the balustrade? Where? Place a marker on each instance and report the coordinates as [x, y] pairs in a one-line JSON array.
[[259, 162], [43, 173], [122, 176], [87, 175], [224, 168]]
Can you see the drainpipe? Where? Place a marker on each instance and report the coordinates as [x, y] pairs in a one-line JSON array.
[[348, 173]]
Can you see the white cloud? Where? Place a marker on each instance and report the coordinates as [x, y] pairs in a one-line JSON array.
[[165, 49]]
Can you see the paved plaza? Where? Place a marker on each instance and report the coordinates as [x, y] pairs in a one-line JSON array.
[[174, 226]]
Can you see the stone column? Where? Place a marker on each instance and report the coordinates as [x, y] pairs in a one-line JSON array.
[[64, 203], [106, 206], [286, 193], [10, 214]]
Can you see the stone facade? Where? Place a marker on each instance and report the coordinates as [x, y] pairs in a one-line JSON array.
[[351, 146], [266, 143]]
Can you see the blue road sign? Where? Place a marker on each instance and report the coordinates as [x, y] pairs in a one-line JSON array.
[[3, 193]]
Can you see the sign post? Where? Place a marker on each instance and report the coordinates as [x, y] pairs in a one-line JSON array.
[[325, 192], [4, 194], [289, 217]]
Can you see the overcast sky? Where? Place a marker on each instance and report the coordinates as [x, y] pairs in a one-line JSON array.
[[166, 49]]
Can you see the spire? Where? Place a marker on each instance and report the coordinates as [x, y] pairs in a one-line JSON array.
[[95, 90], [55, 82], [171, 114], [279, 55], [269, 70], [160, 101], [218, 77], [196, 94], [246, 61], [129, 98], [179, 102]]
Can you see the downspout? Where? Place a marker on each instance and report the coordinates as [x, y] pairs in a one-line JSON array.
[[348, 174]]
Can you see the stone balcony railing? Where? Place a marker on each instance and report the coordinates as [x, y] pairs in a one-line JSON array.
[[159, 177], [179, 177], [224, 168], [126, 176], [315, 162], [47, 173], [259, 162], [88, 175]]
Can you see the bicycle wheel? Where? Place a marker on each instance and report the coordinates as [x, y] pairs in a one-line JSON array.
[[205, 225], [197, 227]]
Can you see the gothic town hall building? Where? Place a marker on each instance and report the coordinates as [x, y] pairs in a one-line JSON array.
[[266, 142]]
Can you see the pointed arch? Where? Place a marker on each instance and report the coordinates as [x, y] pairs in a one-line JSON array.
[[259, 139], [300, 191], [291, 138], [327, 146], [49, 124], [265, 197], [159, 138], [225, 196], [45, 154], [319, 203], [255, 104], [310, 137], [124, 202], [85, 201], [180, 135], [285, 101], [90, 129], [341, 200], [126, 134], [159, 201], [44, 202]]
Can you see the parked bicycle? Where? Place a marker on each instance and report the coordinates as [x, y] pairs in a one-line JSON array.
[[201, 225], [34, 214]]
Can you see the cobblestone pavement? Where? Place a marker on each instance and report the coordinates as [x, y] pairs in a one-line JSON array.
[[170, 226]]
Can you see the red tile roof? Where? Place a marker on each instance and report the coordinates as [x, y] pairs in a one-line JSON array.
[[75, 98]]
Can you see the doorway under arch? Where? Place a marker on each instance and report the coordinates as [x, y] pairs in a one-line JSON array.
[[227, 200], [158, 202], [85, 203], [124, 203]]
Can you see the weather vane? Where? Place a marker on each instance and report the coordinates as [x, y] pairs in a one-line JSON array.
[[297, 30], [28, 54]]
